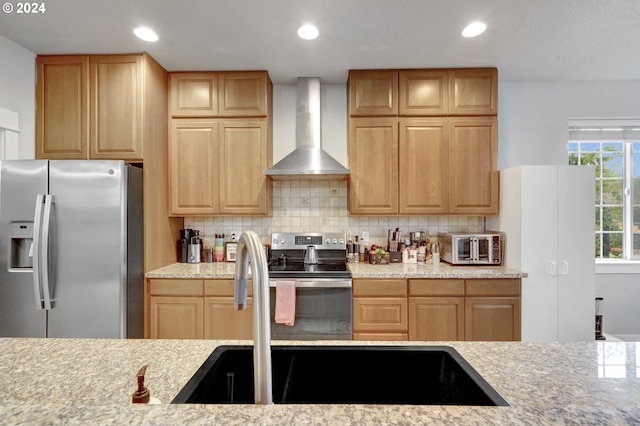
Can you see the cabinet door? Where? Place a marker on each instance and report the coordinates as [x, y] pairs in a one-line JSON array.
[[373, 160], [62, 116], [244, 189], [424, 92], [492, 318], [174, 317], [116, 107], [423, 166], [373, 93], [473, 166], [380, 314], [436, 318], [243, 94], [193, 169], [223, 321], [193, 94], [473, 91]]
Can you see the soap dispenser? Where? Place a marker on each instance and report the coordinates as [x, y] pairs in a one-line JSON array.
[[141, 395]]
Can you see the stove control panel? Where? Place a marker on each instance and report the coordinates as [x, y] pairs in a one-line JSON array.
[[299, 241]]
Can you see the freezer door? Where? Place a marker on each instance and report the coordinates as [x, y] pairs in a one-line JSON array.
[[21, 181], [87, 248]]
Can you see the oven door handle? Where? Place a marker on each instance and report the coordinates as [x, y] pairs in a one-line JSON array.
[[311, 283]]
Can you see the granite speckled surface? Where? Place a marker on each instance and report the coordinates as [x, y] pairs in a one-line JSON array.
[[359, 270], [427, 270], [89, 381]]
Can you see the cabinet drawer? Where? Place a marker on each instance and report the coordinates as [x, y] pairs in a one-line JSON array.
[[380, 314], [436, 287], [175, 287], [223, 287], [381, 336], [381, 288], [504, 287]]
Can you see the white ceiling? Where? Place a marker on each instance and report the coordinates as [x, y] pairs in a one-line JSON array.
[[527, 40]]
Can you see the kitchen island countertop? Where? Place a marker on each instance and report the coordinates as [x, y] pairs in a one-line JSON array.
[[226, 270], [90, 381]]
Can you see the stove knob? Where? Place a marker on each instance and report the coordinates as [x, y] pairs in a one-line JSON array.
[[334, 241], [341, 241]]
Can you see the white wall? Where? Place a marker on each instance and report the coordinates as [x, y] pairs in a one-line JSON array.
[[533, 119], [18, 91]]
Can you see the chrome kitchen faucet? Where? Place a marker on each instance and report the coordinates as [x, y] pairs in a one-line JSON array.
[[250, 248]]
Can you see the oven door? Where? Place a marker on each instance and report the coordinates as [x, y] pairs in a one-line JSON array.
[[323, 310]]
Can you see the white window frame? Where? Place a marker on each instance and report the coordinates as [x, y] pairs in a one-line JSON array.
[[626, 265]]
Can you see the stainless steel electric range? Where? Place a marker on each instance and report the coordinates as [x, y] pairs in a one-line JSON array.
[[317, 262]]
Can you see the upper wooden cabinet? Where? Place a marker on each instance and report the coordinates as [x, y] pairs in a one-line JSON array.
[[473, 91], [93, 106], [373, 93], [62, 113], [216, 167], [473, 169], [436, 155], [424, 92], [220, 94], [423, 180], [429, 92], [193, 177], [193, 94], [373, 160], [216, 161]]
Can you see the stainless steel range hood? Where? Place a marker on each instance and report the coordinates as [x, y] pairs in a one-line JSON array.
[[308, 160]]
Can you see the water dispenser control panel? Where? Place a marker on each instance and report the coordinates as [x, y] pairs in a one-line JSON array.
[[22, 230]]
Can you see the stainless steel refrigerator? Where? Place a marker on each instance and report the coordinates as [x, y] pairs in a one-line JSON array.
[[71, 249]]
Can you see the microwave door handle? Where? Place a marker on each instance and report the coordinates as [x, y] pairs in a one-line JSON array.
[[46, 227], [473, 243], [37, 222]]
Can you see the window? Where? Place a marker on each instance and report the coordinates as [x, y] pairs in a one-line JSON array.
[[614, 148]]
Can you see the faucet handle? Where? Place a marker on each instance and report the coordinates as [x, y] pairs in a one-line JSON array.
[[240, 292]]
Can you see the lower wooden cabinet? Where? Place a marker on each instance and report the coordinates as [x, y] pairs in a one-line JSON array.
[[223, 321], [436, 309], [196, 309], [492, 310], [380, 309], [174, 317]]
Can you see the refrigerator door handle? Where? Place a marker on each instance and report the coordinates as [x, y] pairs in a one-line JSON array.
[[37, 235], [46, 222], [551, 269], [565, 268]]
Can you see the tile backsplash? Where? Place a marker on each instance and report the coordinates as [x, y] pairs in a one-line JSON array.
[[314, 206]]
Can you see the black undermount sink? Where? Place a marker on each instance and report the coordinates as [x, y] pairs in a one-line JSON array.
[[404, 375]]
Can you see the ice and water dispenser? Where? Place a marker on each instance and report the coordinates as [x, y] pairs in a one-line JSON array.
[[21, 247]]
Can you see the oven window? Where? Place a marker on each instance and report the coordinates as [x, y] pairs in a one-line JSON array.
[[463, 246], [484, 248], [321, 314]]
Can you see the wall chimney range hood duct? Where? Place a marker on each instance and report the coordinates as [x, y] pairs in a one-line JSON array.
[[308, 160]]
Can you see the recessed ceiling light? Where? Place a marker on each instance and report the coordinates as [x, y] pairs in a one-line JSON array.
[[308, 32], [145, 34], [474, 29]]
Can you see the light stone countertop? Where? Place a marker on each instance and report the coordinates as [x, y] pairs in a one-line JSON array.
[[90, 381], [224, 270]]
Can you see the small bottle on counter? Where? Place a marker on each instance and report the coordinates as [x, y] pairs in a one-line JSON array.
[[435, 254], [356, 251], [349, 251]]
